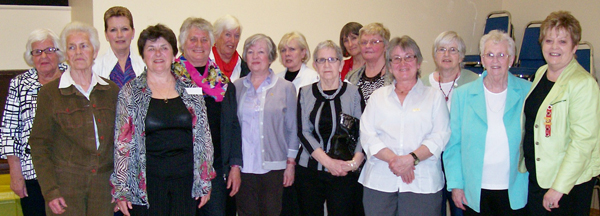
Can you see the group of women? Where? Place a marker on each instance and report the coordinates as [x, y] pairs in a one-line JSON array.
[[161, 134]]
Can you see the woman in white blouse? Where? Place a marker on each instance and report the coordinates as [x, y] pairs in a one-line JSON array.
[[403, 131]]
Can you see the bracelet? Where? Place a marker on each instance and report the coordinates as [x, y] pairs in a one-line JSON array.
[[291, 162], [352, 164]]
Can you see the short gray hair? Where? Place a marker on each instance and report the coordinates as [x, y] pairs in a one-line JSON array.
[[75, 26], [39, 35], [258, 37], [448, 37], [405, 43], [497, 37], [226, 22], [195, 22], [329, 44], [299, 37]]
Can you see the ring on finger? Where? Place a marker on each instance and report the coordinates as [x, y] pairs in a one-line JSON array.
[[550, 205]]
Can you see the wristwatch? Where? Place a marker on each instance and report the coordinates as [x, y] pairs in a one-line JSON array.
[[415, 157]]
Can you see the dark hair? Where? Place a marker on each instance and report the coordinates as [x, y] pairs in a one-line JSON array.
[[117, 11], [152, 33], [349, 28], [561, 20]]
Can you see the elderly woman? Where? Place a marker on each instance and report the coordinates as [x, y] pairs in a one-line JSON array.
[[448, 53], [159, 126], [321, 175], [351, 48], [72, 137], [373, 40], [403, 131], [228, 31], [196, 39], [481, 159], [561, 143], [269, 138], [41, 52], [119, 64], [295, 53]]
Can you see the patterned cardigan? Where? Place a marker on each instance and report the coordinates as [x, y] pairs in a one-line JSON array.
[[129, 177]]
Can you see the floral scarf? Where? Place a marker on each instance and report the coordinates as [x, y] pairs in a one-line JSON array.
[[213, 82]]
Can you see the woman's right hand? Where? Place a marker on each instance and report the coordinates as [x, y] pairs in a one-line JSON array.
[[124, 207], [458, 196]]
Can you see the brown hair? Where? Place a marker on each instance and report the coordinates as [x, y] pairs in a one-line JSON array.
[[117, 11], [349, 28], [152, 33], [561, 20]]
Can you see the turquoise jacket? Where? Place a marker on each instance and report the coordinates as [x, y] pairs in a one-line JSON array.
[[571, 154], [463, 158]]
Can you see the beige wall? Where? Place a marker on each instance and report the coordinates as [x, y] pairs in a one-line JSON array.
[[524, 12], [18, 21], [318, 20]]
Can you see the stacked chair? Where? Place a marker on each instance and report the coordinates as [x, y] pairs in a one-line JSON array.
[[497, 20]]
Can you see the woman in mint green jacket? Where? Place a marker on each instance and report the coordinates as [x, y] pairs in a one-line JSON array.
[[482, 156], [561, 149]]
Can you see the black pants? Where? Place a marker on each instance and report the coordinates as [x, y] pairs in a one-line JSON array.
[[33, 204], [495, 202], [342, 194], [576, 203], [168, 197], [260, 194], [220, 203]]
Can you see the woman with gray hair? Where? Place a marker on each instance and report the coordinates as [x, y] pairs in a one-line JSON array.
[[228, 31], [196, 39], [72, 137], [322, 174], [373, 39], [482, 156], [448, 53], [267, 115], [403, 132], [295, 53], [42, 52]]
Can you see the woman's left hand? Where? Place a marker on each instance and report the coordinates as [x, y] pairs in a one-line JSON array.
[[551, 199], [401, 164], [288, 174], [204, 199]]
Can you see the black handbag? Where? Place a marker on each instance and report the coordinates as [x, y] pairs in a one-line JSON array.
[[344, 141]]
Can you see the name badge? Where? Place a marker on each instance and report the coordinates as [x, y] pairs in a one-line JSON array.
[[194, 91]]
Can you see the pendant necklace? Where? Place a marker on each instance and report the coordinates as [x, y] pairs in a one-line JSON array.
[[451, 87]]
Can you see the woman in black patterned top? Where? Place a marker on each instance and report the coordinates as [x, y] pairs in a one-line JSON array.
[[43, 54], [321, 178], [373, 40]]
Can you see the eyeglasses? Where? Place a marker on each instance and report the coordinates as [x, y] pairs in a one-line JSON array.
[[499, 56], [331, 60], [49, 50], [452, 50], [373, 42], [407, 58]]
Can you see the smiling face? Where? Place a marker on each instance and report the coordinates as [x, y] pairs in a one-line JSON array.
[[80, 52], [351, 44], [370, 49], [197, 47], [558, 49], [292, 55], [497, 65], [158, 55], [328, 71], [119, 33], [447, 61], [44, 63], [227, 42], [258, 57], [404, 70]]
